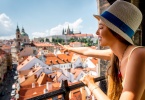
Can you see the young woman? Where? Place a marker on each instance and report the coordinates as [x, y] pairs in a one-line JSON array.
[[126, 72]]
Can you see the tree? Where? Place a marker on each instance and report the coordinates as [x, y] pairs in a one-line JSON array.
[[47, 40], [41, 40]]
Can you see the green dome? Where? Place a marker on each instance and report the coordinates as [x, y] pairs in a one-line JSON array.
[[23, 32]]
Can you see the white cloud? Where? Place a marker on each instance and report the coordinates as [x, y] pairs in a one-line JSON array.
[[39, 34], [76, 26], [7, 37], [6, 27]]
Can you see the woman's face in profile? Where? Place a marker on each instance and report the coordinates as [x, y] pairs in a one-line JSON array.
[[104, 35]]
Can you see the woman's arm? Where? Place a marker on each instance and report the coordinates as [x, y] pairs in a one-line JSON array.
[[134, 79], [87, 51], [95, 90], [98, 93]]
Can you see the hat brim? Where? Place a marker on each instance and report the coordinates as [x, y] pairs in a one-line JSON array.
[[114, 28]]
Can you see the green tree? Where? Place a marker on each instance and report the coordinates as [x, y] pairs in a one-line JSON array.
[[47, 40], [41, 40]]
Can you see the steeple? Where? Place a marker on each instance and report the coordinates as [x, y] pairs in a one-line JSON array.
[[63, 31], [72, 32], [68, 27], [17, 30], [68, 30], [23, 30]]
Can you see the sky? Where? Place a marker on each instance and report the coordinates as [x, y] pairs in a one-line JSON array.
[[41, 18]]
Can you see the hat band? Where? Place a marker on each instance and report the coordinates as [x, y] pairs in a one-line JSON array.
[[118, 23]]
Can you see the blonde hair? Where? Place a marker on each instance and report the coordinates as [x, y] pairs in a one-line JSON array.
[[114, 81]]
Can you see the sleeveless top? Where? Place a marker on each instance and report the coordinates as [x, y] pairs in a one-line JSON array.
[[143, 96]]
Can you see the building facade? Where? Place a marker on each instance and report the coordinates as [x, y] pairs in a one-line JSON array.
[[21, 38]]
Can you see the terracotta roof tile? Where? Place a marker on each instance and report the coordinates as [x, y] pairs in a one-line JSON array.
[[43, 44], [53, 60], [43, 78], [26, 93]]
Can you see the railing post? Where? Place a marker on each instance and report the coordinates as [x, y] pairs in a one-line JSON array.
[[64, 90], [64, 86]]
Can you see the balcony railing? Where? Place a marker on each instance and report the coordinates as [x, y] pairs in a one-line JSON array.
[[64, 90]]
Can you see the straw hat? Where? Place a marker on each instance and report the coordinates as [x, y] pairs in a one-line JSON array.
[[122, 17]]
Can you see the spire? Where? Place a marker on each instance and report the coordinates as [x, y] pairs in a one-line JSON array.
[[68, 30], [23, 30], [17, 30], [68, 27], [63, 31], [72, 31]]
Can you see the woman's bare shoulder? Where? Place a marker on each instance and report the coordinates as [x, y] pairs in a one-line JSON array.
[[137, 51], [136, 57]]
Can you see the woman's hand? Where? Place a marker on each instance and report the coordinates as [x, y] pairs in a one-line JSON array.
[[88, 80], [64, 47]]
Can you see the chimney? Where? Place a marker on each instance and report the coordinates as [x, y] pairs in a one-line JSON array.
[[49, 86], [33, 85], [45, 91]]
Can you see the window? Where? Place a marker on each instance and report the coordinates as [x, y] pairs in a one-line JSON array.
[[24, 40], [19, 43]]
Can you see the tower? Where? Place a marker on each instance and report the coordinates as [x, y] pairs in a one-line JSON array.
[[18, 38], [68, 30], [24, 36], [63, 32]]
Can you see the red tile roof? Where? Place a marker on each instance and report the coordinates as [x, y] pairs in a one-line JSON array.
[[81, 35], [43, 78], [53, 60], [42, 44]]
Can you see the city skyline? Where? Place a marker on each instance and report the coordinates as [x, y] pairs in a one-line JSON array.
[[44, 18]]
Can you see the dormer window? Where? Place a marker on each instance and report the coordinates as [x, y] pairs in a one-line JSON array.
[[51, 61], [33, 70]]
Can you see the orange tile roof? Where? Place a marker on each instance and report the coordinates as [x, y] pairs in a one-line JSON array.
[[64, 57], [42, 44], [5, 47], [26, 93], [27, 80], [53, 60], [43, 78], [81, 35]]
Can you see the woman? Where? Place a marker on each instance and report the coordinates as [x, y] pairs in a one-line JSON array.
[[126, 73]]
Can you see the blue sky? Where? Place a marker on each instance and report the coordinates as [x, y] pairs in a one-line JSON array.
[[42, 18]]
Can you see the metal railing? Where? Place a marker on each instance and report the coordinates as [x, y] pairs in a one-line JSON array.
[[64, 90]]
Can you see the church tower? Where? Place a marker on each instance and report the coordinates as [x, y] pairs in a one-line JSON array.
[[18, 38], [63, 32], [68, 31]]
